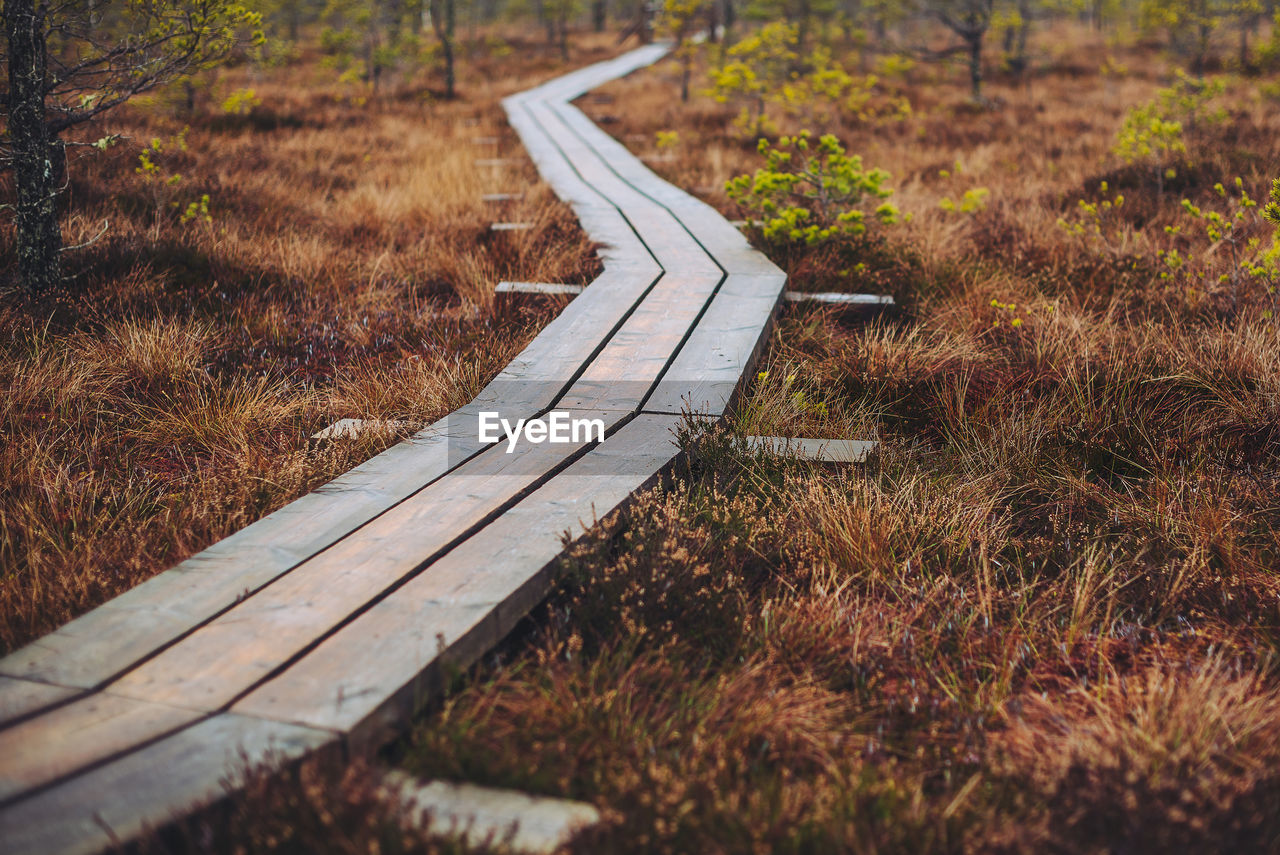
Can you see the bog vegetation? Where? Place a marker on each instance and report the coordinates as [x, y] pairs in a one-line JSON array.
[[1042, 618]]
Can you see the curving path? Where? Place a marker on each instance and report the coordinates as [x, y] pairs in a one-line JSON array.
[[325, 625]]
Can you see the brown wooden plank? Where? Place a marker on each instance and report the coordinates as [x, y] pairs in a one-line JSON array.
[[665, 237], [116, 801], [19, 698], [227, 656], [816, 450], [624, 373], [718, 358], [42, 749], [372, 674], [485, 817]]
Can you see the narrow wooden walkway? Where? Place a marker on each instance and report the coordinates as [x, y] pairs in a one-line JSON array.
[[325, 625]]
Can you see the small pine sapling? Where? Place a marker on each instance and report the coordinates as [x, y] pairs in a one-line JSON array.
[[812, 192]]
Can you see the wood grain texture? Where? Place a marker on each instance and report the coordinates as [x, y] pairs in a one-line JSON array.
[[817, 450], [537, 288], [117, 801], [42, 749], [370, 676], [835, 298], [19, 698], [716, 361], [228, 656]]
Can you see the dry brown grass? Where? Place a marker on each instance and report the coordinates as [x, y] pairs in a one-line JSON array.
[[164, 398], [1042, 620]]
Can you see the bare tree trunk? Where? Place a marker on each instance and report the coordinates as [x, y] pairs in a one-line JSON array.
[[35, 172], [443, 19], [598, 15], [975, 66]]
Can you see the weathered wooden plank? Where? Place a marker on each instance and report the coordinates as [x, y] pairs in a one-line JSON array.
[[537, 288], [352, 428], [510, 227], [624, 373], [599, 217], [19, 698], [117, 801], [713, 363], [508, 820], [665, 237], [289, 613], [372, 674], [231, 653], [867, 300], [817, 450], [94, 647], [717, 235], [42, 749], [501, 197]]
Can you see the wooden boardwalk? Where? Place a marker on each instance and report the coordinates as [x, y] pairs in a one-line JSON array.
[[325, 625]]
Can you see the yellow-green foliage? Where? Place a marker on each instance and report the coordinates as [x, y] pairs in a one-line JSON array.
[[895, 66], [973, 201], [754, 70], [1225, 246], [1156, 130], [810, 192], [240, 102], [676, 18], [164, 184], [765, 69], [1096, 219]]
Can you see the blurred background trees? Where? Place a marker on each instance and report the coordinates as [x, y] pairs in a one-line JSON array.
[[69, 62]]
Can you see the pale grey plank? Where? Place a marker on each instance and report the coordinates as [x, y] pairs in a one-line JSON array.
[[352, 428], [485, 816], [23, 697], [117, 801], [44, 748], [370, 676], [867, 300], [817, 450], [716, 361], [537, 288]]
